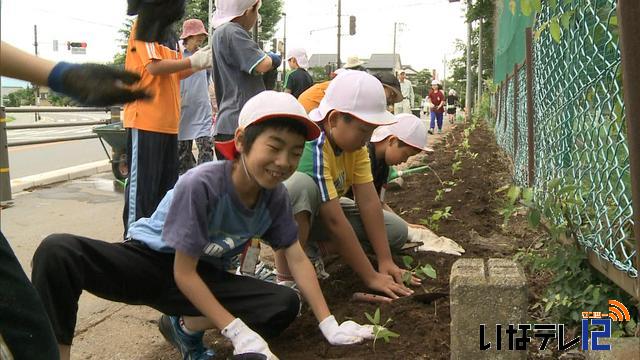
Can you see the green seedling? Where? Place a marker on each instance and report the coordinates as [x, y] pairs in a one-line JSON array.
[[439, 195], [450, 184], [455, 167], [465, 145], [380, 331], [433, 222], [420, 271]]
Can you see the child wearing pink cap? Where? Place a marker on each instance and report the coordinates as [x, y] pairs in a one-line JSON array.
[[195, 104]]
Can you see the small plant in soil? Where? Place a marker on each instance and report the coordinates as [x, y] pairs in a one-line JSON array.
[[433, 221], [380, 331], [420, 271], [455, 167], [439, 195]]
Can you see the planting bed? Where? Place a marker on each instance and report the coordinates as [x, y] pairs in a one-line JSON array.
[[474, 224]]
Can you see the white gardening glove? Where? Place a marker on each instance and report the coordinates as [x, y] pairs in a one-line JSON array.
[[245, 340], [202, 59], [432, 242], [346, 333]]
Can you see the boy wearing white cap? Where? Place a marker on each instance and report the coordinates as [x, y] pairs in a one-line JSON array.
[[393, 145], [173, 262], [354, 105], [239, 63], [299, 80]]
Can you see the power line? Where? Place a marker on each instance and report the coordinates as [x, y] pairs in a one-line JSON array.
[[77, 19]]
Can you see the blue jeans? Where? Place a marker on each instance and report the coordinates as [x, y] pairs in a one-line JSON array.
[[434, 116]]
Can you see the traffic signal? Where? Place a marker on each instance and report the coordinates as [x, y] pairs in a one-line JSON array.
[[352, 25]]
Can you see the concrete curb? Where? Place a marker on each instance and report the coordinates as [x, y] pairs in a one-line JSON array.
[[51, 177]]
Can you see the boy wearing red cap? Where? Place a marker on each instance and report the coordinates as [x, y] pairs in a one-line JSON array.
[[175, 259]]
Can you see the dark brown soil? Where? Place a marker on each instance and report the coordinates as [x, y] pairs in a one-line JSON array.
[[474, 224]]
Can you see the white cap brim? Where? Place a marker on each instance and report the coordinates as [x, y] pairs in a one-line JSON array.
[[219, 21]]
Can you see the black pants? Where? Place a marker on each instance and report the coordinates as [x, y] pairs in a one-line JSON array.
[[24, 324], [153, 170], [130, 272]]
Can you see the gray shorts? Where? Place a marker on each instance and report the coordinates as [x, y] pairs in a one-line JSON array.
[[305, 196]]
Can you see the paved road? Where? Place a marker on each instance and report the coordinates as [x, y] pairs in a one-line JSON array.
[[90, 207], [36, 159]]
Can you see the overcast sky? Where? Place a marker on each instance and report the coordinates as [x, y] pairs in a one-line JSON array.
[[430, 30]]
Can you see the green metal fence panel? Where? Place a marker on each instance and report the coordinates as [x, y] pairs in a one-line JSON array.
[[521, 161], [580, 129], [509, 42]]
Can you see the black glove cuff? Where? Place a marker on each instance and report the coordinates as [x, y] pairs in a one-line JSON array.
[[55, 80]]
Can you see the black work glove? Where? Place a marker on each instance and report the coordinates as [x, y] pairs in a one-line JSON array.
[[94, 84], [155, 18]]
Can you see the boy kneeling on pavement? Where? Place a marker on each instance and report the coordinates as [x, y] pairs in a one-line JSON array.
[[173, 260], [353, 106]]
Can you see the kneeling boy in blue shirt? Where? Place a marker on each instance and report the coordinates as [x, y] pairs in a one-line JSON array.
[[172, 262]]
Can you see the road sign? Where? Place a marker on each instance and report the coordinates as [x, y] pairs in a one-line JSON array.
[[78, 51]]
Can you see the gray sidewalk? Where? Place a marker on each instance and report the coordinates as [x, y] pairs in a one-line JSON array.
[[90, 207]]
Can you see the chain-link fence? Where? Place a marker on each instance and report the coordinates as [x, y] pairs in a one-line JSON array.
[[580, 136]]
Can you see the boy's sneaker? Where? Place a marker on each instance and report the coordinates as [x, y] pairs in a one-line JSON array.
[[191, 347], [439, 131], [265, 272], [430, 131]]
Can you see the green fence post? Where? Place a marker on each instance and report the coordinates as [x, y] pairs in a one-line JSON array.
[[5, 179], [530, 109], [515, 113], [506, 88]]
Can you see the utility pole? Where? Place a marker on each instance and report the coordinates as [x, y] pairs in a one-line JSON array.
[[36, 87], [339, 29], [479, 93], [395, 28], [444, 74], [468, 101], [284, 50], [35, 45]]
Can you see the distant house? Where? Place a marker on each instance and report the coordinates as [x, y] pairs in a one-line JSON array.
[[376, 63], [384, 62], [409, 71], [322, 60]]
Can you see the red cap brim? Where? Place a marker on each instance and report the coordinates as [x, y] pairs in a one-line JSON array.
[[227, 149]]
